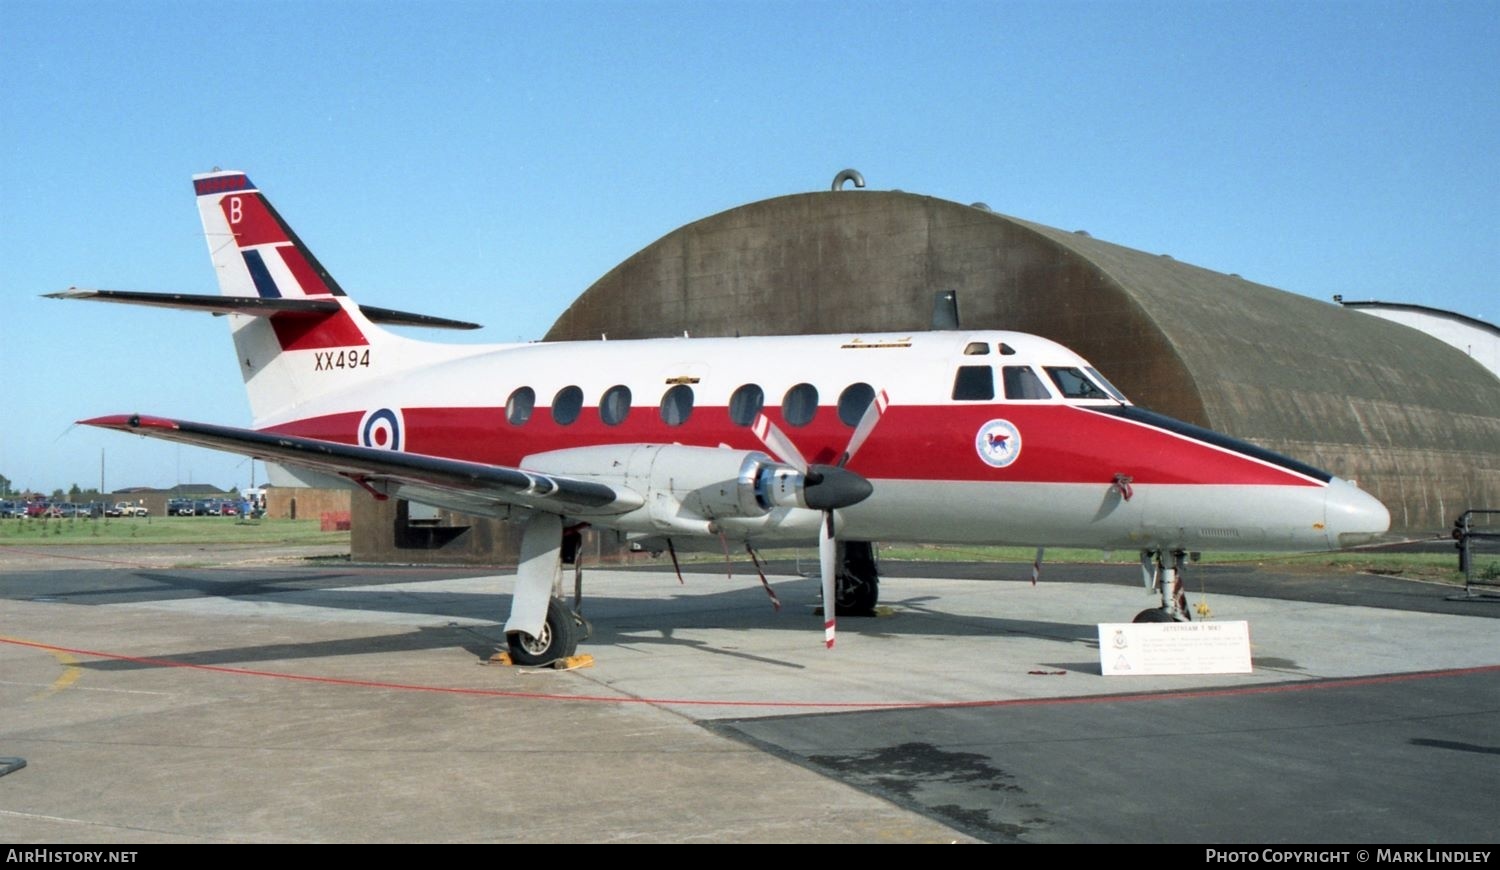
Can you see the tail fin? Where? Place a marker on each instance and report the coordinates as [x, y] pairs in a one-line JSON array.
[[256, 253], [299, 339]]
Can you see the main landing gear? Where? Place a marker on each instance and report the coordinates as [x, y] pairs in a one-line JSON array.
[[543, 628], [857, 584], [1163, 572]]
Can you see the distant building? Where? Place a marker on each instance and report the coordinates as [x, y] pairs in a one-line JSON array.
[[1474, 337]]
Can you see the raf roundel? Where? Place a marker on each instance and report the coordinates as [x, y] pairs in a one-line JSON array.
[[998, 443], [381, 429]]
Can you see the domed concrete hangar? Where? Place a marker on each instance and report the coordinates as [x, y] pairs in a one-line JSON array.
[[1414, 421]]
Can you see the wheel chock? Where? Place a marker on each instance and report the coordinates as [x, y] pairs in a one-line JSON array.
[[569, 663]]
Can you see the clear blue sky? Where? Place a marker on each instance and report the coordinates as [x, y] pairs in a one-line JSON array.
[[490, 161]]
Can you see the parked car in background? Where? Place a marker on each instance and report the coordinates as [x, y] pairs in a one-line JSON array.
[[127, 509]]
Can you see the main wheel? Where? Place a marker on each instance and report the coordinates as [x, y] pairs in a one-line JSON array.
[[857, 586], [558, 640], [856, 596]]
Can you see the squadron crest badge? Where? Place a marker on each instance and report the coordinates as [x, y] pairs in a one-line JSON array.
[[998, 443]]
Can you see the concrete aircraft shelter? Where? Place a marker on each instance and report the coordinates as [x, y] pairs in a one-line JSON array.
[[1414, 421]]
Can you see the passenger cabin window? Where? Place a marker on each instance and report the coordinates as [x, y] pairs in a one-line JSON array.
[[800, 405], [1074, 384], [745, 404], [519, 406], [567, 405], [974, 383], [976, 348], [615, 406], [1021, 383], [677, 405], [853, 401]]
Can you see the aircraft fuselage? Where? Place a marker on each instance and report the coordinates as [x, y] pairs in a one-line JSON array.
[[948, 462]]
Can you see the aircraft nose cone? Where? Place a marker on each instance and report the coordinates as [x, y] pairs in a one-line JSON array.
[[1352, 515]]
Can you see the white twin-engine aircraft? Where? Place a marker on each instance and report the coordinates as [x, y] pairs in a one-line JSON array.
[[942, 437]]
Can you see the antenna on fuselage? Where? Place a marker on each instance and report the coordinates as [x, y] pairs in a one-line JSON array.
[[945, 310]]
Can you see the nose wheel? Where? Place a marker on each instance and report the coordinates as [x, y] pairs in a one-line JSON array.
[[1162, 572]]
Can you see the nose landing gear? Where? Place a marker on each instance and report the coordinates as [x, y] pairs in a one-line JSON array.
[[1162, 572]]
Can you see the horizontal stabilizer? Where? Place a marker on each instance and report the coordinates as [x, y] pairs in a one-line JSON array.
[[388, 471], [257, 306]]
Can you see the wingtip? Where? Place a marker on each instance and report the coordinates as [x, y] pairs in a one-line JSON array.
[[127, 422], [70, 293]]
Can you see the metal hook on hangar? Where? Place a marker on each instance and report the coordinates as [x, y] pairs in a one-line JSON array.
[[848, 175]]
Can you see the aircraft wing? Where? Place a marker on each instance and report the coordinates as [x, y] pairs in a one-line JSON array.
[[387, 472]]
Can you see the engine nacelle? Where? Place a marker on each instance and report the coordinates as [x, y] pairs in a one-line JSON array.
[[685, 489], [712, 483], [698, 484]]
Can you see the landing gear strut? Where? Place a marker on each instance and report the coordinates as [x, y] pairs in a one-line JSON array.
[[857, 585], [1163, 573]]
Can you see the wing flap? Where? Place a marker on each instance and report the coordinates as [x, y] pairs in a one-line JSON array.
[[370, 467]]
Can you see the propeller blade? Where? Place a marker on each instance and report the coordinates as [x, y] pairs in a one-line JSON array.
[[776, 441], [828, 565], [866, 425]]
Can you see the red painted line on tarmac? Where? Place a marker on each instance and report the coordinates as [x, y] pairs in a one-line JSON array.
[[1335, 683]]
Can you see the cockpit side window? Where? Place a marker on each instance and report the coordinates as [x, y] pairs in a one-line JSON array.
[[974, 384], [1110, 388], [1022, 383], [976, 348], [1074, 384]]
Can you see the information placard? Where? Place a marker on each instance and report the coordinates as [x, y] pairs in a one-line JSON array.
[[1157, 648]]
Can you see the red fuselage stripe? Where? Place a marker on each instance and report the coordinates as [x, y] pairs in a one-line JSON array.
[[1059, 444]]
